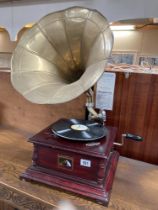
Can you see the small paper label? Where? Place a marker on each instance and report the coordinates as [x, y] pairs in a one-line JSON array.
[[86, 163], [105, 91]]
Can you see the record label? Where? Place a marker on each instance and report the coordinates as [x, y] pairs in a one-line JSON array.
[[79, 127]]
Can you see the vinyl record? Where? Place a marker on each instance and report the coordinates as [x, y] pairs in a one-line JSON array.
[[80, 130]]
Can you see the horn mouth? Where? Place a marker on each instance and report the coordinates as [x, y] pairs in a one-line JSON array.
[[61, 56]]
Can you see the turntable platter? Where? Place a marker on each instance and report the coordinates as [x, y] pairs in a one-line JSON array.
[[79, 130]]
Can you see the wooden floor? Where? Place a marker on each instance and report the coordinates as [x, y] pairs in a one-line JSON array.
[[135, 185]]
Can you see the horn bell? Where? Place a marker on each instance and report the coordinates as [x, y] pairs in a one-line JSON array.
[[61, 56]]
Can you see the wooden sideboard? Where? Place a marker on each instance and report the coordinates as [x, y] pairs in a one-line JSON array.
[[135, 111], [135, 184]]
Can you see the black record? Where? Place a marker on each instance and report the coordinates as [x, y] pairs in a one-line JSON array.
[[80, 130]]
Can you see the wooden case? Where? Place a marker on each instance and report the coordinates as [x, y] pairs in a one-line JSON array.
[[85, 168]]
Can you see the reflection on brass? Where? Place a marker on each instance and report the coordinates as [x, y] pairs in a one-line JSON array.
[[61, 56]]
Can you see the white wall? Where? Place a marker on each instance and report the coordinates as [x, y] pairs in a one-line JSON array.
[[142, 42], [13, 16], [5, 44]]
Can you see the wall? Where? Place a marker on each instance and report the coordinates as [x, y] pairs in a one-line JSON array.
[[5, 44], [14, 15], [142, 42]]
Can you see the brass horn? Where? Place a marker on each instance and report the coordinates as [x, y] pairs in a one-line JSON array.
[[61, 56]]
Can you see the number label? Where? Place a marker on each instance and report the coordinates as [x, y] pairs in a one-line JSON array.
[[86, 163]]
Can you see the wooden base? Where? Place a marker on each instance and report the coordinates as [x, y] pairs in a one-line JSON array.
[[84, 168], [101, 193]]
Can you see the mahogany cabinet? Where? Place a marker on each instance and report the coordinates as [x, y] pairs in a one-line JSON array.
[[135, 111]]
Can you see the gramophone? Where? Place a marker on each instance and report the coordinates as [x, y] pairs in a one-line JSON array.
[[59, 58]]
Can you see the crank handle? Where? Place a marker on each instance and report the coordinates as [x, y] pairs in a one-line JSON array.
[[133, 137], [128, 136]]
